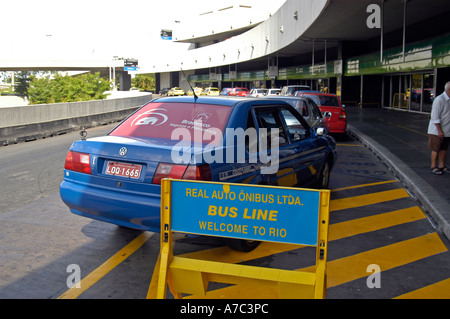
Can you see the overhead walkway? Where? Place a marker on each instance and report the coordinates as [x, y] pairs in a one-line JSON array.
[[279, 31], [61, 65], [106, 68]]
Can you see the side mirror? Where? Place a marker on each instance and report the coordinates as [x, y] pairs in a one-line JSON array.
[[327, 114], [320, 131]]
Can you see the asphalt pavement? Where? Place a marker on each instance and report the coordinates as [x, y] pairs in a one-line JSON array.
[[400, 140]]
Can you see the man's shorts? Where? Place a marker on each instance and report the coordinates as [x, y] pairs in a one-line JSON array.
[[436, 144]]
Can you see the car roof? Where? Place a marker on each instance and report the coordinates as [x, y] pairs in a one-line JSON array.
[[225, 100], [286, 97], [319, 93], [315, 99]]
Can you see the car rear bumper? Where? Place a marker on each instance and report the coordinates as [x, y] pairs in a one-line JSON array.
[[338, 127], [123, 209]]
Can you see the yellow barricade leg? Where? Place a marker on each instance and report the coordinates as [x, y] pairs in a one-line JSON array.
[[191, 276], [166, 253]]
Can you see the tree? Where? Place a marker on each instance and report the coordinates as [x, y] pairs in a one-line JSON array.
[[68, 89], [39, 91], [145, 82], [22, 82]]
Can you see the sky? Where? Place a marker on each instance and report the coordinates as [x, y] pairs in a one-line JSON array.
[[101, 28], [98, 29]]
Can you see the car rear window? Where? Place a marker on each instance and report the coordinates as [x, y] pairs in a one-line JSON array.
[[158, 120], [328, 100]]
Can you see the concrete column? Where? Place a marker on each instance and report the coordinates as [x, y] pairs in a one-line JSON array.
[[124, 81]]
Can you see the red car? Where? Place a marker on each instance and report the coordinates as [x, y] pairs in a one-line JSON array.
[[239, 92], [330, 104]]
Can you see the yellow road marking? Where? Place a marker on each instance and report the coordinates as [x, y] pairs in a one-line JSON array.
[[364, 185], [106, 267], [386, 257], [152, 291], [368, 199], [439, 290], [375, 222], [337, 231], [403, 127], [351, 145]]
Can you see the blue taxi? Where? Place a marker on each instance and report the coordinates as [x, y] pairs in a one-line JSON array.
[[117, 178]]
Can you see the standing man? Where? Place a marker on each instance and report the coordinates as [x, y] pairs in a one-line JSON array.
[[439, 132]]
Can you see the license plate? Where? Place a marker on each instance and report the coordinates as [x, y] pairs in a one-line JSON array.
[[123, 170]]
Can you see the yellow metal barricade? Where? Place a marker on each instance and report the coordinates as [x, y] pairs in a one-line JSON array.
[[401, 101], [191, 276]]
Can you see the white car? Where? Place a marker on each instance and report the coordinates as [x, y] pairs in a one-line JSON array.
[[258, 92], [273, 92], [290, 90]]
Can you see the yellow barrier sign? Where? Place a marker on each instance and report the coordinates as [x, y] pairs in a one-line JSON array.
[[248, 212]]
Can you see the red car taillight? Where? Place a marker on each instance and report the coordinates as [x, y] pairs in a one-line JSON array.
[[191, 172], [199, 173], [168, 171], [78, 162], [342, 115]]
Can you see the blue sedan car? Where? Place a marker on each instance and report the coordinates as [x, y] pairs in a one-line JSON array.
[[117, 178]]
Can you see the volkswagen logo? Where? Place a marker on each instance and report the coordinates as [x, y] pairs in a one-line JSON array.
[[123, 151]]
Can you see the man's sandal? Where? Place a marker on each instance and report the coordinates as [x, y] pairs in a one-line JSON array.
[[437, 171], [445, 170]]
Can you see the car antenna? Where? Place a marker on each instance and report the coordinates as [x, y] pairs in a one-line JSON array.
[[195, 95], [83, 133]]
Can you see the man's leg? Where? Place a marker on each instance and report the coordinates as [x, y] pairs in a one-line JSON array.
[[442, 157], [434, 159], [434, 144]]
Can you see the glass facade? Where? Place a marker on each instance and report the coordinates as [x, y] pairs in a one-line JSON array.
[[412, 92]]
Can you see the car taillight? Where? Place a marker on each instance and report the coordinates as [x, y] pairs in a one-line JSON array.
[[199, 173], [192, 172], [342, 115], [78, 162], [168, 171]]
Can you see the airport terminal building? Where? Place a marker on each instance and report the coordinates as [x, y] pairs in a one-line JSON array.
[[372, 53]]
